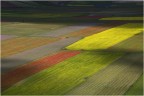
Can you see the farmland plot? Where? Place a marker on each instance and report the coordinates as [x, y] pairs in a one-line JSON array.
[[41, 15], [65, 75], [92, 30], [16, 45], [108, 37], [68, 29], [22, 72], [26, 29], [114, 79], [15, 60], [133, 44], [122, 18], [136, 88], [118, 76], [4, 37]]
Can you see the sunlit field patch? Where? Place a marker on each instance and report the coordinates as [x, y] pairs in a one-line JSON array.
[[122, 18], [107, 38]]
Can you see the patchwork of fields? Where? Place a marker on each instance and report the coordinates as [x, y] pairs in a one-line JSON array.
[[97, 58]]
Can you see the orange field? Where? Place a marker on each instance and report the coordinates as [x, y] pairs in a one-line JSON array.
[[16, 45]]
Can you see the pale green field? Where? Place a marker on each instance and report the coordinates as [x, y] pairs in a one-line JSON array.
[[107, 38], [64, 76], [122, 18], [25, 29], [136, 88]]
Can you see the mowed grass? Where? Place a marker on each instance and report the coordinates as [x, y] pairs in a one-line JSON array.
[[136, 88], [64, 76], [26, 29], [107, 38], [122, 18], [16, 45]]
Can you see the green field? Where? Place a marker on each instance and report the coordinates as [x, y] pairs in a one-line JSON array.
[[64, 76], [122, 18], [26, 29], [107, 38], [136, 88]]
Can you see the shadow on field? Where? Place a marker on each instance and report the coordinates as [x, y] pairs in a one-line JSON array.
[[7, 64], [64, 20]]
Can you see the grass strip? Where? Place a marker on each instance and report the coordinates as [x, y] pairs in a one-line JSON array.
[[65, 75], [26, 29], [122, 18], [136, 88], [108, 37]]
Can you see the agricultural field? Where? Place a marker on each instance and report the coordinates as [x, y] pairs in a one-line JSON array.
[[27, 29], [41, 15], [122, 18], [70, 53], [102, 41], [16, 45]]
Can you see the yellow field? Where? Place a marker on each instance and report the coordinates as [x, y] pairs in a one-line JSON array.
[[122, 18], [16, 45], [108, 37]]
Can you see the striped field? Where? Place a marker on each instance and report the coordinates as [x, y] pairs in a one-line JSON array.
[[20, 73], [96, 55], [92, 30], [65, 75], [16, 45], [26, 29]]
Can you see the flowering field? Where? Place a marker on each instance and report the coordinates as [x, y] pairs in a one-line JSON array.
[[108, 37], [98, 58]]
